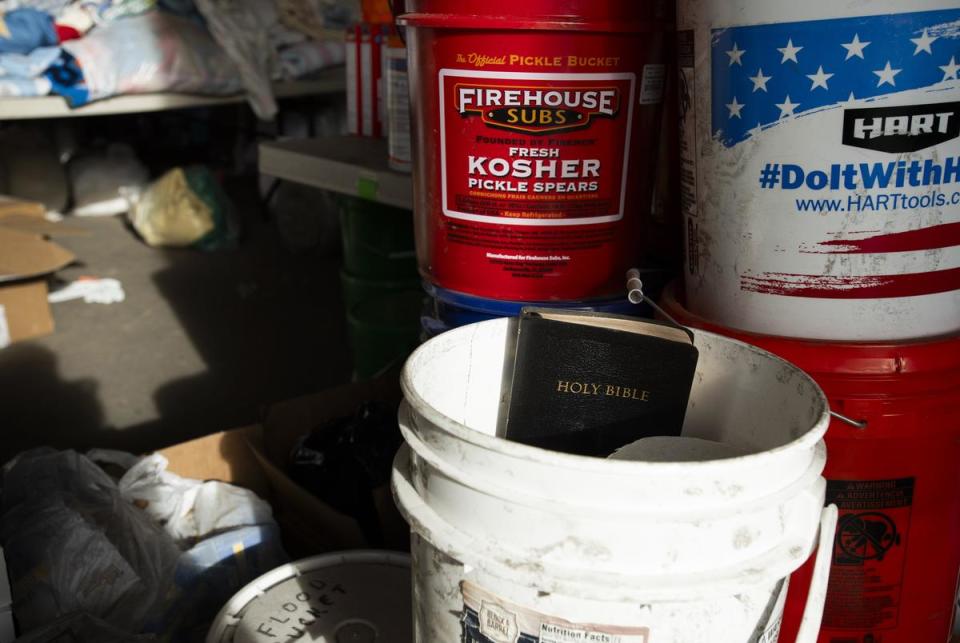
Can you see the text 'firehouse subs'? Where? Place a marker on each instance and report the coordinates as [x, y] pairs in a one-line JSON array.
[[535, 111]]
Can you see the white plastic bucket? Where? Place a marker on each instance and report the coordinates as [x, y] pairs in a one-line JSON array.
[[509, 539], [821, 153], [356, 597]]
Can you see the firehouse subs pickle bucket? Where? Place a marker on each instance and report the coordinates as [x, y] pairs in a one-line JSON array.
[[513, 543], [821, 155], [535, 127]]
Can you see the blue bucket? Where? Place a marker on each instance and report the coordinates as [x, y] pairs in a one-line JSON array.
[[446, 309]]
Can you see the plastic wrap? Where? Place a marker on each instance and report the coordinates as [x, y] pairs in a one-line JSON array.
[[154, 52], [74, 544], [189, 510]]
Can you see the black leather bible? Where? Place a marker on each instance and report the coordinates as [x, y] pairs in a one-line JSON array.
[[590, 383]]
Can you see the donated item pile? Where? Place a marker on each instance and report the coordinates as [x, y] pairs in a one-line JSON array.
[[794, 475]]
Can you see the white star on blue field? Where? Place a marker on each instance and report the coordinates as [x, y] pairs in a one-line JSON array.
[[765, 73]]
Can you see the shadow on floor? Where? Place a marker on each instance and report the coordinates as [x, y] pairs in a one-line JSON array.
[[37, 402], [203, 342], [266, 332]]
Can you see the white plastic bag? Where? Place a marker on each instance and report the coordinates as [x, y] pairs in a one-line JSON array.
[[74, 544], [155, 52], [99, 181], [242, 28], [188, 509]]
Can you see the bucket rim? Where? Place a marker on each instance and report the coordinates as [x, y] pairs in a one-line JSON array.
[[806, 441], [927, 355]]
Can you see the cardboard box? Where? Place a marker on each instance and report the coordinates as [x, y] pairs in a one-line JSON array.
[[27, 258], [255, 457]]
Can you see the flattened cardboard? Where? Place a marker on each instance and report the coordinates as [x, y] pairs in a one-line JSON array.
[[26, 310], [9, 205], [40, 226], [25, 256]]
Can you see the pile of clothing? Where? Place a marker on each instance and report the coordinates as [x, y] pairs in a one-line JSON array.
[[86, 50]]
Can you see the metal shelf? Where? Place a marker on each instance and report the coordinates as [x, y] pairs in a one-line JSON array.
[[329, 82], [350, 165]]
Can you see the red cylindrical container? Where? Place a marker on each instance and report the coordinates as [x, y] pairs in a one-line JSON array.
[[535, 127], [896, 482]]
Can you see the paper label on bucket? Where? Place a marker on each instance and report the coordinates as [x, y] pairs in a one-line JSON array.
[[398, 114], [828, 169], [489, 619], [541, 149], [771, 631], [869, 553], [652, 84]]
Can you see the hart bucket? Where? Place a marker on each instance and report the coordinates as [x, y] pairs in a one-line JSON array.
[[514, 543], [894, 478], [821, 156], [534, 125]]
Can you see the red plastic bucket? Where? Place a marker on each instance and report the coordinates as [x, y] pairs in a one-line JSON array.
[[535, 125], [896, 482]]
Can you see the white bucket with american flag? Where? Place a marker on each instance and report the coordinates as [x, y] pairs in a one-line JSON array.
[[821, 166]]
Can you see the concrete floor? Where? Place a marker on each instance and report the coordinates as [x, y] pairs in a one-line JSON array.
[[202, 343]]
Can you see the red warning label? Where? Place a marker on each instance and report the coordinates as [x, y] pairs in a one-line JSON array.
[[868, 554]]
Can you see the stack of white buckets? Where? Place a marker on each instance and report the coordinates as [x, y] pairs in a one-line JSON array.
[[516, 544]]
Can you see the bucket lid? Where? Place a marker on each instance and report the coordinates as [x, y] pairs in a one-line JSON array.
[[611, 15], [356, 597]]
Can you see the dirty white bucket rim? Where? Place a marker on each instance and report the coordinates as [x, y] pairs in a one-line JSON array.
[[590, 463], [408, 418]]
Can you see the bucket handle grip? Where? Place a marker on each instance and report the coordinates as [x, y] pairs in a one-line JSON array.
[[817, 596]]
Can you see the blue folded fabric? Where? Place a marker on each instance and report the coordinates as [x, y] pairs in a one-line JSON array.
[[28, 65], [23, 30], [22, 87], [66, 79]]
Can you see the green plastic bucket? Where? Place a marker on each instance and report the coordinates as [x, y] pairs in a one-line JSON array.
[[383, 331], [377, 239], [357, 289]]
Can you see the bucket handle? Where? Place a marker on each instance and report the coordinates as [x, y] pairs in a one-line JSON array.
[[635, 295], [817, 596], [857, 424]]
